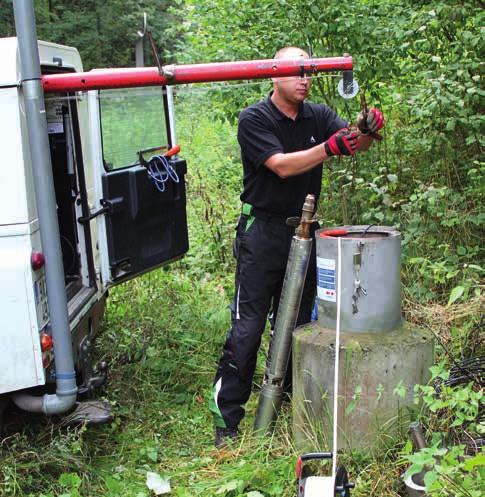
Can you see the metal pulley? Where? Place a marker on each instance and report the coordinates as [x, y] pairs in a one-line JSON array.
[[348, 87]]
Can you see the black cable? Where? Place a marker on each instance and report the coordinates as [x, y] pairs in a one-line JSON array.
[[470, 370], [367, 229], [464, 372]]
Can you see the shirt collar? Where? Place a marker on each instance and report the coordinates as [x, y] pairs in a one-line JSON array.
[[303, 111]]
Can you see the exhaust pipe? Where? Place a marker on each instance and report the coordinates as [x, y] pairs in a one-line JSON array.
[[33, 98], [271, 393]]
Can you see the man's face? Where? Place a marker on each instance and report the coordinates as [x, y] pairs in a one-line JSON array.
[[294, 89]]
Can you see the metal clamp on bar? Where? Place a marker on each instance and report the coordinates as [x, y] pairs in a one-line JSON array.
[[302, 68]]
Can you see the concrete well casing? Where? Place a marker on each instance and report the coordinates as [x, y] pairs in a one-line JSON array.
[[381, 357], [376, 383]]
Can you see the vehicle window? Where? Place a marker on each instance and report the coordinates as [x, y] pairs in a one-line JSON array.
[[131, 120]]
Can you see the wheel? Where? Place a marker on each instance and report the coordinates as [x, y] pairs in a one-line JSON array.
[[342, 485]]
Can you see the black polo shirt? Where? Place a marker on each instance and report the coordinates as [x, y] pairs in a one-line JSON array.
[[263, 131]]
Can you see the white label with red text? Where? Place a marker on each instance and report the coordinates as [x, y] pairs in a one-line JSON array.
[[326, 283]]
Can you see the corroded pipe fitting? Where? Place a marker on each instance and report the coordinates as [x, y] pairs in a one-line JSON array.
[[303, 229]]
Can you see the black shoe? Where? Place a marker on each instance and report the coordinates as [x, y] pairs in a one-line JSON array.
[[225, 435]]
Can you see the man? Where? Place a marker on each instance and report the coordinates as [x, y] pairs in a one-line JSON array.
[[284, 140]]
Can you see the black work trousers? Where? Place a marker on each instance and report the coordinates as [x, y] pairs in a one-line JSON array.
[[262, 246]]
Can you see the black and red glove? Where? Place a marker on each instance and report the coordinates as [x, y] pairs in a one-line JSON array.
[[370, 123], [343, 142]]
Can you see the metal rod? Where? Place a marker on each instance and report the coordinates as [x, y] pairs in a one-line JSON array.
[[139, 53], [192, 73], [419, 442], [139, 56], [33, 101]]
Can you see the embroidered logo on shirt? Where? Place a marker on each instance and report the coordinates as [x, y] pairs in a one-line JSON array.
[[312, 140]]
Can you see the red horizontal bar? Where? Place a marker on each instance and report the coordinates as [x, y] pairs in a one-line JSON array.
[[192, 73]]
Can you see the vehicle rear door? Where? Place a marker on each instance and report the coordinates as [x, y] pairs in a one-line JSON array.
[[142, 222]]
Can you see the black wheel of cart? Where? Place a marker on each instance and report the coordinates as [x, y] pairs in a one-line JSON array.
[[342, 485]]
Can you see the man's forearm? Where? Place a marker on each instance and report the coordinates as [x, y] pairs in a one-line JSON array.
[[294, 163]]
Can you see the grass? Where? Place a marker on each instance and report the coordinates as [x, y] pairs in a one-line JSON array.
[[161, 335]]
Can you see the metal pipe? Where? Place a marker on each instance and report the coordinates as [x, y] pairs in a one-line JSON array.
[[371, 278], [33, 100], [192, 73], [139, 56], [416, 435], [139, 53], [415, 485], [271, 393]]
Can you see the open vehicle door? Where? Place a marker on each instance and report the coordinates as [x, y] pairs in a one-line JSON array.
[[142, 221]]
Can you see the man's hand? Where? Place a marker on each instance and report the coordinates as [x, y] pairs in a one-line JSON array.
[[370, 123], [343, 142]]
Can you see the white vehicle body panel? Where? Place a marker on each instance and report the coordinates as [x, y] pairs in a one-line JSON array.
[[24, 304], [23, 299], [96, 151]]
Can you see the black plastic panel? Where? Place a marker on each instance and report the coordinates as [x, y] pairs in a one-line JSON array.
[[146, 228]]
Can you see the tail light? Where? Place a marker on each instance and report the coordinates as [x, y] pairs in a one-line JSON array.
[[37, 260], [46, 342]]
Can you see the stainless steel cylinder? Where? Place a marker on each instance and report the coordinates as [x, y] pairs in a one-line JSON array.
[[272, 389], [289, 307], [269, 405], [370, 278]]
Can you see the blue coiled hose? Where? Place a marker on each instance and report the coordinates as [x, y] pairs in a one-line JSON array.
[[160, 171]]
